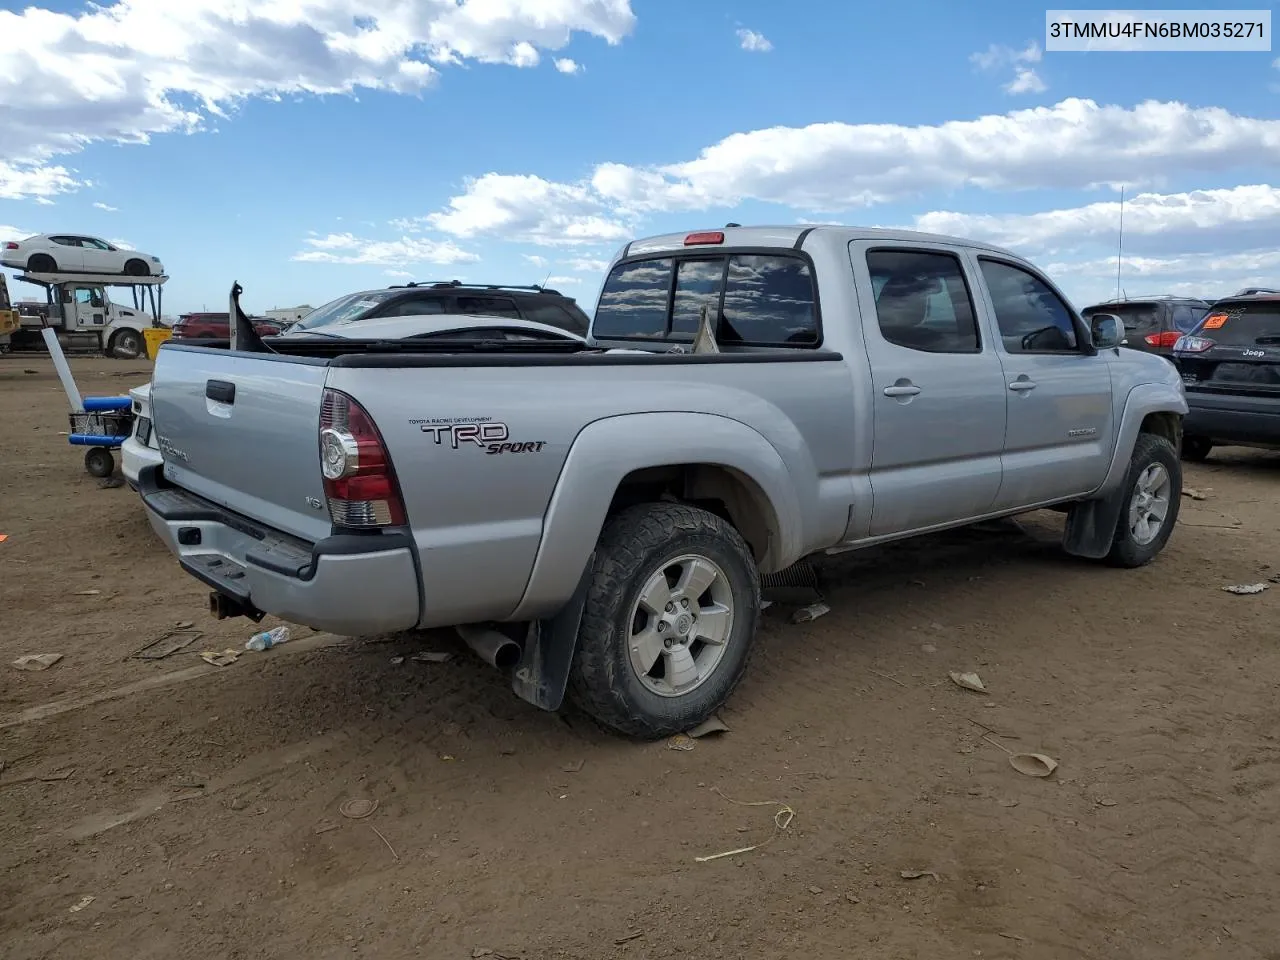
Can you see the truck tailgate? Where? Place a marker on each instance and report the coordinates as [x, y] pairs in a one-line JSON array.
[[242, 431]]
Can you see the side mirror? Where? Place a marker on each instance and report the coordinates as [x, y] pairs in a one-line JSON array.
[[1107, 330]]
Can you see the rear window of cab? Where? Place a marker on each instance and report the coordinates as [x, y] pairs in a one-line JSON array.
[[755, 299]]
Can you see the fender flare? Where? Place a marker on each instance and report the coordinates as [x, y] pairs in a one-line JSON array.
[[606, 451], [1091, 524]]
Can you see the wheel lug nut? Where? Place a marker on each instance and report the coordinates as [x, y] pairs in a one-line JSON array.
[[671, 608], [662, 626], [685, 604]]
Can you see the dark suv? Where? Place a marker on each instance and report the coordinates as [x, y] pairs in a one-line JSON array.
[[538, 304], [1230, 365], [1153, 324]]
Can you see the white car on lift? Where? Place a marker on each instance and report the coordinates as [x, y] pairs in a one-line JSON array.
[[77, 253], [140, 449]]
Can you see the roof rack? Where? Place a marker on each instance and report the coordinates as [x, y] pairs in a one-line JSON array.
[[459, 285]]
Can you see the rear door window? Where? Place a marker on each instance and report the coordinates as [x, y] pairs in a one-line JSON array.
[[416, 307], [1186, 316]]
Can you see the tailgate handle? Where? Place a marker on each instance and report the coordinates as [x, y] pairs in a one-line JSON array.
[[220, 390]]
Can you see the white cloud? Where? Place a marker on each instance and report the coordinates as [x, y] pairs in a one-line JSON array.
[[106, 206], [8, 233], [136, 68], [1025, 80], [754, 42], [1206, 218], [587, 265], [1025, 77], [347, 248], [122, 244], [398, 274], [529, 209], [828, 167], [565, 65], [536, 260], [558, 280]]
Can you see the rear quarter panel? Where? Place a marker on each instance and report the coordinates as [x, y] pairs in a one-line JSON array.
[[478, 516]]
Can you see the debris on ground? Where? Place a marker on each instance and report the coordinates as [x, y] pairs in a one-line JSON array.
[[628, 937], [928, 648], [1027, 764], [681, 741], [812, 612], [358, 808], [573, 766], [223, 658], [3, 537], [1244, 589], [432, 656], [111, 483], [969, 681], [168, 643], [87, 593], [782, 817], [267, 639], [81, 904], [396, 661], [37, 661], [919, 874], [713, 724], [1195, 494]]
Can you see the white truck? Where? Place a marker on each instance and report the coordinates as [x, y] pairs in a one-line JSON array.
[[289, 314], [81, 311]]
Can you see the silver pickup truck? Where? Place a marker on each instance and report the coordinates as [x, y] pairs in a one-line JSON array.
[[595, 518]]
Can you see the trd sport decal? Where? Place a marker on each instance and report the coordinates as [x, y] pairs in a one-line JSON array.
[[491, 436]]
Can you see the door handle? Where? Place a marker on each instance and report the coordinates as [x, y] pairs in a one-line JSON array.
[[901, 390], [220, 390], [1022, 385]]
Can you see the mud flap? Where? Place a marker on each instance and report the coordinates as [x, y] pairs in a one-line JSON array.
[[543, 672], [1091, 525]]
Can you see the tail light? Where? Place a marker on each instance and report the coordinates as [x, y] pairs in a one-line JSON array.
[[11, 245], [707, 237], [1193, 345], [1164, 340], [359, 482]]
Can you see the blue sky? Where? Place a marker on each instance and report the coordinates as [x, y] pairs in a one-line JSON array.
[[313, 147]]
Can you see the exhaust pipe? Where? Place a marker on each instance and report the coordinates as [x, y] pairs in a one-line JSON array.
[[494, 648], [223, 607]]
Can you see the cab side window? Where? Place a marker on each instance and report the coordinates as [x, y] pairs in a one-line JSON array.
[[1032, 318], [923, 302]]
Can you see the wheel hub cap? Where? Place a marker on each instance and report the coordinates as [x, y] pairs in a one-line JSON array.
[[680, 624]]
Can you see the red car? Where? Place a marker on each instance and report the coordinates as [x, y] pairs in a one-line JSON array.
[[218, 326]]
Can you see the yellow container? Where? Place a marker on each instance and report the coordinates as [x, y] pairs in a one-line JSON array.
[[154, 337]]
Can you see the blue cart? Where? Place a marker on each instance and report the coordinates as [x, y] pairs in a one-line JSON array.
[[103, 426]]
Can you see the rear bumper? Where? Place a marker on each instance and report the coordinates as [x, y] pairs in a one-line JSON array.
[[1233, 419], [135, 456], [349, 584]]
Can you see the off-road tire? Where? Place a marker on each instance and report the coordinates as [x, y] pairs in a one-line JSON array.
[[1196, 449], [1149, 449], [633, 545]]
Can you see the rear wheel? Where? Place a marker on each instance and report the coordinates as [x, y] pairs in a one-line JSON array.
[[1196, 449], [125, 345], [669, 620], [137, 268], [99, 462], [41, 263], [1153, 494]]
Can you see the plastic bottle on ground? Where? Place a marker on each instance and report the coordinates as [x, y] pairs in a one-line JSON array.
[[268, 639]]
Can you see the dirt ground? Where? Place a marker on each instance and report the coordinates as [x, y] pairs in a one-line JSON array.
[[201, 810]]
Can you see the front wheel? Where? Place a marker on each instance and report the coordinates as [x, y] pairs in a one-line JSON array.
[[669, 620], [1153, 494], [126, 345]]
